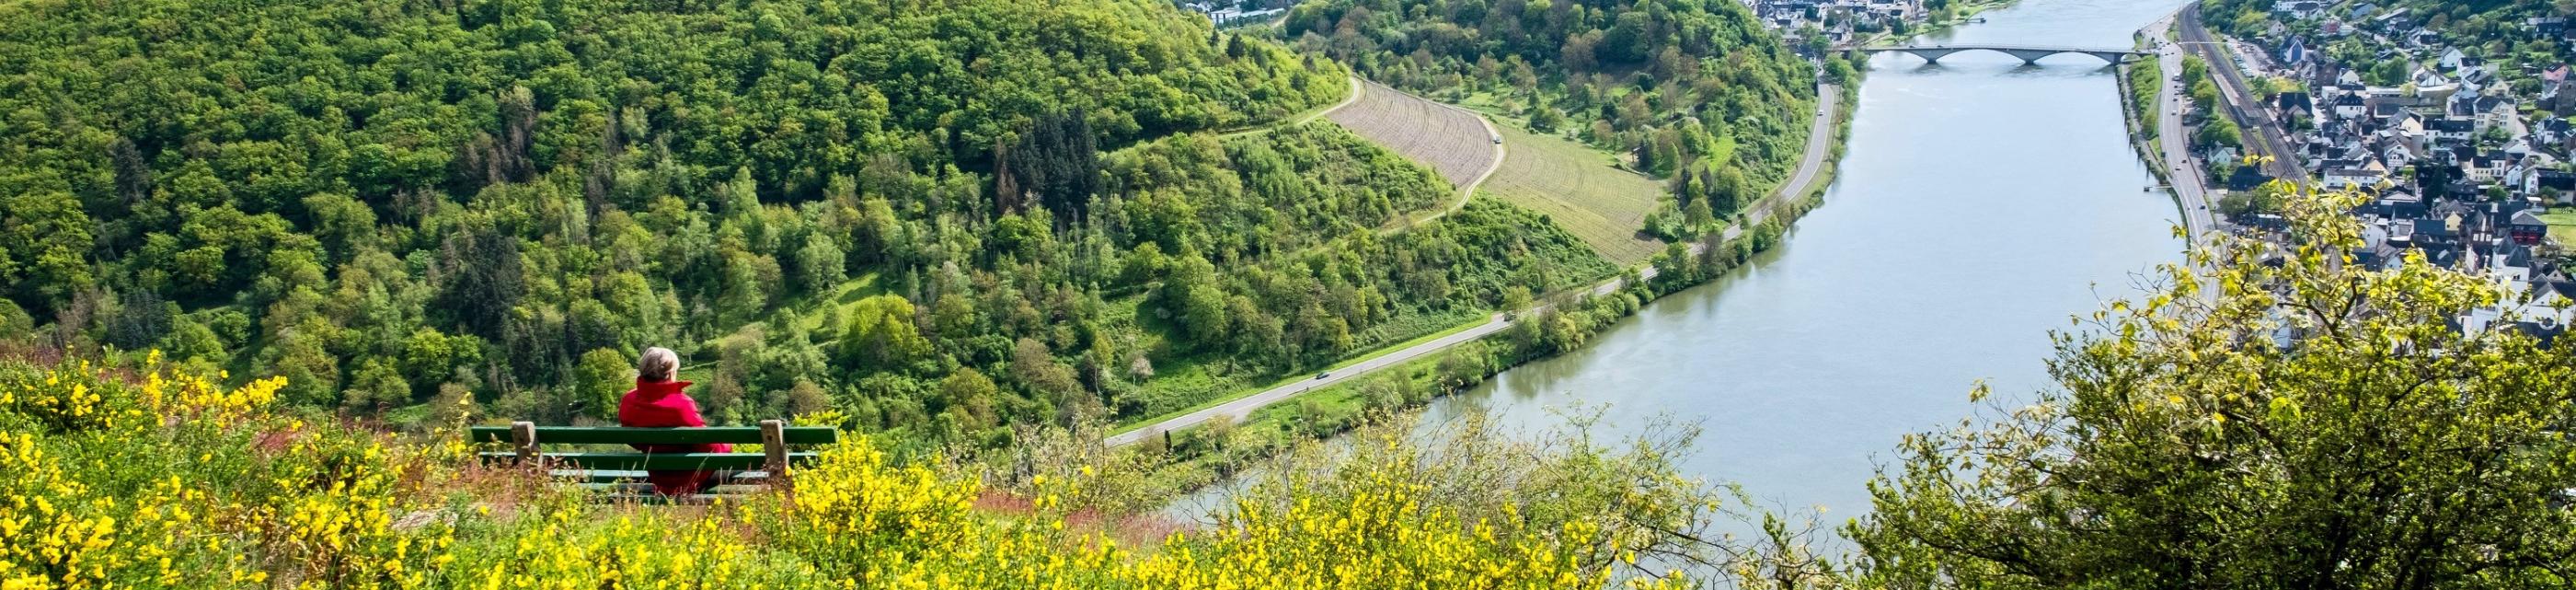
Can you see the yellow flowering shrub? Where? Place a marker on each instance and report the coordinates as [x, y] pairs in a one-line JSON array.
[[71, 398], [80, 507], [174, 394], [571, 544], [149, 477], [1384, 539]]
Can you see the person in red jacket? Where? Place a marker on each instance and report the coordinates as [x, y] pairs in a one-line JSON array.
[[656, 402]]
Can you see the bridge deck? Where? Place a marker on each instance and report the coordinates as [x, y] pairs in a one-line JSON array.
[[2126, 50]]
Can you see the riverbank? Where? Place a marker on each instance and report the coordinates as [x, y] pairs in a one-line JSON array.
[[1216, 451], [1963, 13], [2137, 80], [1192, 458], [1980, 203], [1823, 145]]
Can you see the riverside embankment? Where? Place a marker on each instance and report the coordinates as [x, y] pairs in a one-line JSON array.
[[1980, 203]]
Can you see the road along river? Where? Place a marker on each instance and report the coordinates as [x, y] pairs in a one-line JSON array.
[[1980, 204]]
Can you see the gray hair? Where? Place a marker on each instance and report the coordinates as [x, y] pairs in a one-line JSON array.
[[658, 364]]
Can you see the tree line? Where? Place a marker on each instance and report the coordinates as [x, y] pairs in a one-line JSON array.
[[1695, 91], [943, 219]]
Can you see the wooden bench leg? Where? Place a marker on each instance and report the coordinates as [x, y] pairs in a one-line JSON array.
[[773, 444], [524, 436]]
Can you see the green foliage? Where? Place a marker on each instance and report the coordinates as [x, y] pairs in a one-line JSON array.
[[41, 255], [2217, 132], [483, 280], [1705, 190], [970, 396], [1305, 311], [386, 201], [1630, 75], [2497, 31], [2309, 423], [881, 336], [601, 380], [1243, 197], [2146, 77], [2269, 198], [1057, 159]]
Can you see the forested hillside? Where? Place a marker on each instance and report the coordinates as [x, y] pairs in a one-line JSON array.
[[1695, 90], [986, 211]]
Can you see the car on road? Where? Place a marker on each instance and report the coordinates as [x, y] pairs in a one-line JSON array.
[[1323, 374]]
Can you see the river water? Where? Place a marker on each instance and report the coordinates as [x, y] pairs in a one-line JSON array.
[[1981, 203]]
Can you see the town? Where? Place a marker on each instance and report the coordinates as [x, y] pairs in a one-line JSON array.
[[1841, 22], [2465, 159]]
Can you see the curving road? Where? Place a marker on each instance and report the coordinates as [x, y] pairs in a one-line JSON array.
[[1357, 89], [1820, 145], [1235, 410], [1810, 170], [1468, 190]]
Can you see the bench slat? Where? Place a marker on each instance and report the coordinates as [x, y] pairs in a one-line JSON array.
[[661, 500], [547, 435], [646, 489], [605, 476], [656, 462]]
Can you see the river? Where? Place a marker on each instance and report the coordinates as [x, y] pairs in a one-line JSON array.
[[1980, 204]]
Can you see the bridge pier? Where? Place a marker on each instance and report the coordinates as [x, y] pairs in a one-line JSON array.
[[1932, 56], [2029, 57]]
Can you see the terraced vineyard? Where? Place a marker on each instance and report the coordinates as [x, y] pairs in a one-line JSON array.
[[1449, 140], [1579, 188]]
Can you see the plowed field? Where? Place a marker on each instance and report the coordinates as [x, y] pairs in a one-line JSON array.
[[1449, 140]]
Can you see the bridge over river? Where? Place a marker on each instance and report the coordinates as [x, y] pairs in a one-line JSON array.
[[1975, 208], [2028, 53]]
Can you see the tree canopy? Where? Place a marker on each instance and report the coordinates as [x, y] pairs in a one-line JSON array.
[[387, 202], [1680, 86], [2309, 423]]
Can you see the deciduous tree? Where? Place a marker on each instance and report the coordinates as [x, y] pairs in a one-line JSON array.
[[2312, 424]]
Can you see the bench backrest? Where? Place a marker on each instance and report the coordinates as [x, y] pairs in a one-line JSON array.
[[774, 437], [615, 435]]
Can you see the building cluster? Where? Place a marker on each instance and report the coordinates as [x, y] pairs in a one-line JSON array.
[[1229, 13], [2459, 171], [1840, 21]]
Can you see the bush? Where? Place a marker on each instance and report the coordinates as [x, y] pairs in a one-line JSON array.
[[152, 475]]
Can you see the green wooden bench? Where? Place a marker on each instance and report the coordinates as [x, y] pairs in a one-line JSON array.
[[623, 472]]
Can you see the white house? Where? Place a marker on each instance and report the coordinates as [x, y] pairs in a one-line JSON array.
[[2349, 106], [2398, 156], [2297, 9], [2452, 129], [2351, 178], [2483, 167]]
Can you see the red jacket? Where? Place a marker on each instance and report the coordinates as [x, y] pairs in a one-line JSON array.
[[660, 404]]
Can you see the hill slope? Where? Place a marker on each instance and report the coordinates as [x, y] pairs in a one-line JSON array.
[[1664, 79], [501, 202]]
